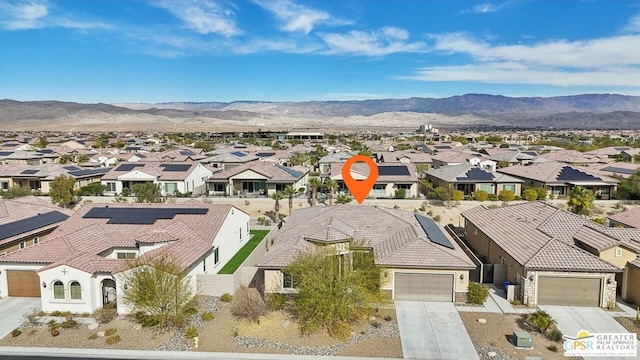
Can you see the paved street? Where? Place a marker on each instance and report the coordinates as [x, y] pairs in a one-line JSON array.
[[433, 330], [12, 310]]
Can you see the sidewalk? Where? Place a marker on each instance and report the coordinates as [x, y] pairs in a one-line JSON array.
[[627, 311]]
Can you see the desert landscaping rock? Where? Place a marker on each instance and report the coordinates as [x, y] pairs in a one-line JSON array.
[[491, 353], [93, 326], [482, 321], [100, 334]]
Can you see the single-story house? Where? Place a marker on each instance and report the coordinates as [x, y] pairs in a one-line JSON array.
[[420, 261], [326, 162], [557, 257], [629, 219], [39, 177], [391, 177], [469, 178], [38, 157], [76, 269], [257, 178], [455, 157], [559, 178], [26, 221], [183, 177], [228, 160]]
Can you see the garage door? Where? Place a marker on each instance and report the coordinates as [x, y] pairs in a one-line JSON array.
[[569, 291], [23, 283], [425, 287]]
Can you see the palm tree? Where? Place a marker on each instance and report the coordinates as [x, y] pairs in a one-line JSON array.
[[82, 158], [290, 192], [580, 200], [314, 183], [65, 159], [277, 196], [343, 199], [331, 185]]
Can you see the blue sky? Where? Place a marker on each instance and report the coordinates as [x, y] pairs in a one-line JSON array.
[[280, 50]]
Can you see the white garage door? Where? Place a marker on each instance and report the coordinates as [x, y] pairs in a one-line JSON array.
[[423, 287]]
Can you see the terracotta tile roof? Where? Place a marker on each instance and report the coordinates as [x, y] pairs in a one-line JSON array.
[[396, 237], [154, 169], [273, 172], [88, 263], [548, 172], [630, 218], [85, 238], [594, 238], [13, 210], [557, 255], [363, 169]]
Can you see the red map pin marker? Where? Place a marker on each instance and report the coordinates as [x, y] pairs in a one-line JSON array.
[[360, 188]]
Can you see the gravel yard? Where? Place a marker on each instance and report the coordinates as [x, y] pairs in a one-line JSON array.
[[630, 324], [495, 336]]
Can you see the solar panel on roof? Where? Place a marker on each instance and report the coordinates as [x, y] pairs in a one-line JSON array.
[[477, 174], [71, 168], [294, 173], [395, 170], [238, 153], [186, 152], [176, 167], [570, 174], [433, 231], [86, 172], [45, 151], [618, 170], [442, 147], [30, 171], [265, 154], [622, 148], [30, 224], [139, 216], [128, 167], [140, 156]]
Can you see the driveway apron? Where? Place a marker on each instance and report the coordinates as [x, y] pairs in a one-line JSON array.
[[12, 310]]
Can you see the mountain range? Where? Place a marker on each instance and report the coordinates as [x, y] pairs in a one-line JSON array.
[[587, 111]]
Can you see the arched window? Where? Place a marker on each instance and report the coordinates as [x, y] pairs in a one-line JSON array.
[[74, 288], [58, 290]]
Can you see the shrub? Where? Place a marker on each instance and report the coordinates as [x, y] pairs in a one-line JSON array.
[[191, 332], [437, 218], [32, 316], [493, 197], [400, 193], [375, 324], [207, 316], [69, 324], [552, 348], [506, 195], [189, 311], [145, 320], [104, 316], [112, 339], [555, 335], [248, 304], [93, 336], [477, 293], [110, 331], [226, 297], [480, 195], [530, 194], [517, 302], [388, 318], [276, 301], [541, 320], [54, 332], [16, 332], [52, 324], [56, 313]]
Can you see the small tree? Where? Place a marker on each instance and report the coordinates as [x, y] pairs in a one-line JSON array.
[[277, 196], [65, 159], [158, 287], [480, 195], [61, 191], [458, 195], [333, 291], [530, 194], [506, 195], [541, 320], [400, 193], [290, 192], [477, 293], [331, 186], [42, 142], [314, 184], [542, 193], [82, 158], [343, 199], [580, 200], [247, 303], [147, 192]]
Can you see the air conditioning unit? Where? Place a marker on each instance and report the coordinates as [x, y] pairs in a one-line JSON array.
[[522, 339]]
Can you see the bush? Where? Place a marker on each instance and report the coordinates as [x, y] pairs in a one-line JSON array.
[[191, 332], [517, 302], [52, 324], [93, 336], [375, 324], [506, 195], [189, 311], [530, 194], [276, 301], [70, 324], [493, 197], [480, 195], [552, 348], [56, 313], [226, 297], [104, 316], [16, 332], [437, 218], [555, 335], [145, 320], [248, 304], [54, 332], [112, 339], [541, 320], [400, 193], [110, 331], [477, 293], [207, 316], [32, 316]]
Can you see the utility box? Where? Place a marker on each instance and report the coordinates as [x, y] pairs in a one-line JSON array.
[[522, 339]]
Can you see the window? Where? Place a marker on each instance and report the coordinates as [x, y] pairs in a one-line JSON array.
[[511, 187], [4, 185], [240, 232], [170, 188], [58, 290], [618, 252], [216, 256], [217, 187], [74, 288], [288, 281], [22, 245], [485, 187], [36, 240], [111, 187], [126, 255], [403, 186], [204, 265]]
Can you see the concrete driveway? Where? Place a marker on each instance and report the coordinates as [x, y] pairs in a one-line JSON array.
[[571, 319], [433, 330], [12, 310]]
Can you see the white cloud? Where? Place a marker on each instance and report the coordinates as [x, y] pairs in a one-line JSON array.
[[484, 8], [202, 16], [294, 17], [17, 15], [350, 96], [596, 62], [385, 41], [633, 25]]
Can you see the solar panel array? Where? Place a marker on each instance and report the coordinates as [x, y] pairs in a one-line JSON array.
[[71, 168], [140, 156], [139, 216], [442, 147], [6, 153], [394, 170], [618, 170], [622, 148], [477, 174], [186, 152], [175, 167], [29, 224], [45, 151], [265, 154], [30, 171], [433, 231], [239, 154], [86, 172], [128, 167], [295, 173], [570, 174]]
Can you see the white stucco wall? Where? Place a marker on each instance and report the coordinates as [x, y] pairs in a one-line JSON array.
[[89, 290], [233, 235]]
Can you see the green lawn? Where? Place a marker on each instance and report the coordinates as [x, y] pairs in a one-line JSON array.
[[244, 252]]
